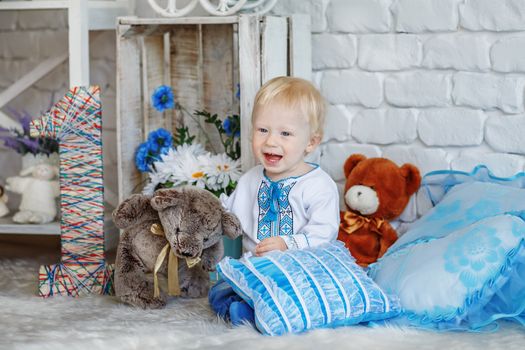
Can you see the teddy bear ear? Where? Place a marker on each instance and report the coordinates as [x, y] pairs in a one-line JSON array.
[[231, 226], [412, 176], [133, 210], [351, 162], [165, 198]]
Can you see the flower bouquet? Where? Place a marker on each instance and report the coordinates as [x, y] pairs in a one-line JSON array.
[[34, 150], [175, 160], [22, 142]]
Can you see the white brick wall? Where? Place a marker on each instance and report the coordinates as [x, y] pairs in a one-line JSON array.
[[437, 83]]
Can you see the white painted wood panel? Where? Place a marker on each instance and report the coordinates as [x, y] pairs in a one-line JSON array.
[[300, 47], [250, 80], [78, 43], [217, 69], [129, 115], [152, 77], [274, 48]]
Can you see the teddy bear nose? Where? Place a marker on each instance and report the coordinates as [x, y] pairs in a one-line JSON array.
[[359, 193], [186, 254]]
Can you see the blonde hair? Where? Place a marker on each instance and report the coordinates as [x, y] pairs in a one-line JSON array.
[[293, 93]]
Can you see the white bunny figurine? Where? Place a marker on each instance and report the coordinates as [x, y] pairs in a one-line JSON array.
[[38, 205], [3, 202]]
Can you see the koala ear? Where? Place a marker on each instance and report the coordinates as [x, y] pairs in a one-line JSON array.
[[168, 197], [231, 226], [413, 178], [351, 162], [133, 210]]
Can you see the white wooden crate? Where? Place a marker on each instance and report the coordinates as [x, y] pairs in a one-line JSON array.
[[202, 59]]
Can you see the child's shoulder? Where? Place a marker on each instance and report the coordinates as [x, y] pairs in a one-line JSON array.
[[255, 172], [319, 180]]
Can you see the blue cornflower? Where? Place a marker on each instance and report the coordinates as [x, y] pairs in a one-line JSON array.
[[143, 157], [160, 139], [163, 98], [230, 125], [238, 91]]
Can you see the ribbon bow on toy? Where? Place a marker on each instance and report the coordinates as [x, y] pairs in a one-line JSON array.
[[173, 265], [351, 222]]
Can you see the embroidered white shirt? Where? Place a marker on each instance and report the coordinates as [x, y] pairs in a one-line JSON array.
[[303, 210]]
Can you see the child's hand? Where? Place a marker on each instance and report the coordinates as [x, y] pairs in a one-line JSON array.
[[269, 244]]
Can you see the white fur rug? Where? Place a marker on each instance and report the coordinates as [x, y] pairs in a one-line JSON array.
[[100, 322]]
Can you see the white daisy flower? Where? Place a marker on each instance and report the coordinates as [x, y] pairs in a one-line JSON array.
[[221, 169], [155, 178], [186, 167]]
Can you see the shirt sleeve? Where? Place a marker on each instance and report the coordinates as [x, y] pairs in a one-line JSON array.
[[323, 219]]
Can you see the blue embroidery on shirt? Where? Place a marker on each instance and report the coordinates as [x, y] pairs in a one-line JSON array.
[[275, 214]]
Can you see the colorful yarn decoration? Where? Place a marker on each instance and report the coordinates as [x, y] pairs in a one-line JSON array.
[[76, 122]]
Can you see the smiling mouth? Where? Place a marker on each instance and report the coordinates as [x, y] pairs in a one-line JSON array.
[[272, 158]]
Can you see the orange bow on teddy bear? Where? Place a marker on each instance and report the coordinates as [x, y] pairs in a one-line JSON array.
[[376, 191]]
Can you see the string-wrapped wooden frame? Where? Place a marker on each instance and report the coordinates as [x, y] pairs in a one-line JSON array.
[[76, 122]]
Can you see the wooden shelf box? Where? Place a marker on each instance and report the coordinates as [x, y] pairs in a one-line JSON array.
[[203, 59]]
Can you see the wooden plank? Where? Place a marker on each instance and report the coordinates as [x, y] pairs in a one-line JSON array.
[[166, 78], [274, 48], [250, 80], [300, 47], [8, 123], [153, 77], [180, 20], [129, 115], [78, 43], [7, 225], [31, 77], [218, 88], [33, 5], [186, 73]]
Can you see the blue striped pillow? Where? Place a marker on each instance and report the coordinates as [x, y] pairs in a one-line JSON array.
[[298, 290]]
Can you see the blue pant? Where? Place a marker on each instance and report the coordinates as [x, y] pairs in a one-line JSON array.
[[229, 305]]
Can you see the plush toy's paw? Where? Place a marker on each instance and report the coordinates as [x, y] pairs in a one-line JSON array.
[[40, 218], [3, 210], [144, 303], [143, 297], [196, 288], [209, 264], [22, 217]]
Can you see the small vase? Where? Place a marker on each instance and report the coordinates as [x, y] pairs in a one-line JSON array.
[[29, 159]]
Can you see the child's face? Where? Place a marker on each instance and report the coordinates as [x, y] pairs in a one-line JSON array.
[[281, 138]]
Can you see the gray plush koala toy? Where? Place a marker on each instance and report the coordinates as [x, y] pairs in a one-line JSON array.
[[193, 221]]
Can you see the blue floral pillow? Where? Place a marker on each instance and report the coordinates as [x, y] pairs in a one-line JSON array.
[[298, 290], [461, 265]]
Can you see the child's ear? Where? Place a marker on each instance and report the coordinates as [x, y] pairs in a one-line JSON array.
[[315, 140]]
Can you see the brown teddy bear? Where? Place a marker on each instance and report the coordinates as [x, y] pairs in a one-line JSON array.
[[187, 221], [376, 191]]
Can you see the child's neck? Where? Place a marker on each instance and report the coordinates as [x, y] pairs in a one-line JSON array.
[[301, 170]]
